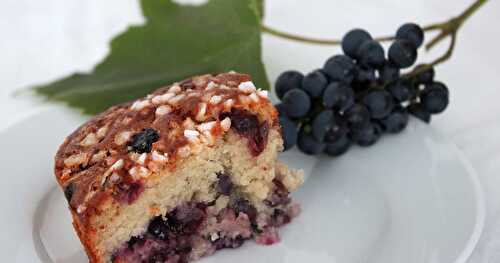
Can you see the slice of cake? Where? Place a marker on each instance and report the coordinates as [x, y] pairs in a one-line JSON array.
[[190, 169]]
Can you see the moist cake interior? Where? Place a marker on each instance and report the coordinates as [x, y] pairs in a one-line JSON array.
[[193, 230]]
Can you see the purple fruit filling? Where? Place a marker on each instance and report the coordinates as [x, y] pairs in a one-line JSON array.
[[193, 230], [247, 125], [128, 192]]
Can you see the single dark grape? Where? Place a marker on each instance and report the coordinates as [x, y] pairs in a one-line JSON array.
[[337, 129], [339, 146], [340, 68], [296, 103], [379, 103], [338, 95], [142, 142], [352, 41], [288, 80], [321, 124], [435, 97], [389, 73], [371, 54], [224, 185], [401, 90], [308, 145], [365, 75], [367, 135], [314, 83], [418, 111], [357, 116], [425, 77], [158, 228], [69, 190], [402, 53], [411, 32], [289, 132], [396, 121]]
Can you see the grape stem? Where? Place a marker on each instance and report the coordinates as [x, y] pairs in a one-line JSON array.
[[448, 28]]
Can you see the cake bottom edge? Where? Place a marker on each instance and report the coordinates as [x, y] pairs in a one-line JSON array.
[[196, 229]]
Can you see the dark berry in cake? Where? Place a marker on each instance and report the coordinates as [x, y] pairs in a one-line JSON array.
[[68, 191], [158, 228], [248, 125], [224, 185], [142, 141], [244, 206], [128, 192]]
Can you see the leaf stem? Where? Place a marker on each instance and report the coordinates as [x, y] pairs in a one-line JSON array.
[[447, 28], [452, 24], [309, 40]]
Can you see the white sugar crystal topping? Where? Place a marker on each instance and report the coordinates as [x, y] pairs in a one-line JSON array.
[[142, 158], [160, 99], [117, 165], [163, 109], [228, 104], [191, 134], [176, 99], [211, 85], [216, 99], [254, 97], [226, 124], [122, 137], [89, 140], [263, 93], [207, 126], [140, 104], [159, 157], [102, 132], [247, 87], [138, 171], [184, 151], [200, 116], [175, 89]]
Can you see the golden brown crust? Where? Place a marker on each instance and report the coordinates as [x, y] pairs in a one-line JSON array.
[[95, 163]]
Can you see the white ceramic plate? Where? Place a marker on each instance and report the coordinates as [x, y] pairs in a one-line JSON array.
[[410, 198]]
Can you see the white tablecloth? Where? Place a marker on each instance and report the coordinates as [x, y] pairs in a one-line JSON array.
[[43, 40]]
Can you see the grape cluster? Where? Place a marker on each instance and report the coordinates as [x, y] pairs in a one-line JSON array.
[[359, 95]]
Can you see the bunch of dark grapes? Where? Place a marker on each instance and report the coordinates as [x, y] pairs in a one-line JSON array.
[[360, 95]]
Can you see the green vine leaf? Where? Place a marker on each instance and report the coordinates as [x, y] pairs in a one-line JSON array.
[[176, 42]]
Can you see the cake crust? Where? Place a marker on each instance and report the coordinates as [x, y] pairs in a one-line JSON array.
[[98, 145], [109, 161]]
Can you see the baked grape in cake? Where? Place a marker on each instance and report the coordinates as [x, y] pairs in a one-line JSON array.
[[190, 169]]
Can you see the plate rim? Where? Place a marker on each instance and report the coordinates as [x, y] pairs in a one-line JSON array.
[[476, 234]]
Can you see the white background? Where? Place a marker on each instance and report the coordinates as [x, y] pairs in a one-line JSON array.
[[44, 40]]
